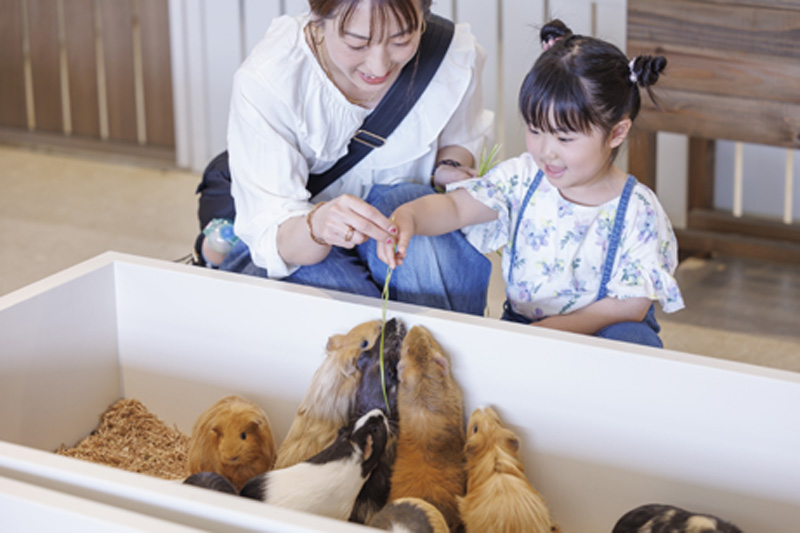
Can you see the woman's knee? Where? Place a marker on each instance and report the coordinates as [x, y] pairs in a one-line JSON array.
[[387, 198]]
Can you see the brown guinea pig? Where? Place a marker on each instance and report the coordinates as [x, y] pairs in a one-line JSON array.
[[233, 438], [409, 514], [429, 460], [499, 496], [329, 398]]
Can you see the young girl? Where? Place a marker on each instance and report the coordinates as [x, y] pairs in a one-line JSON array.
[[587, 248]]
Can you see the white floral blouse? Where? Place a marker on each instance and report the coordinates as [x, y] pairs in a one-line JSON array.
[[561, 246]]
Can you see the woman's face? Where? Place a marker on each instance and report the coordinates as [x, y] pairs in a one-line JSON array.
[[364, 69]]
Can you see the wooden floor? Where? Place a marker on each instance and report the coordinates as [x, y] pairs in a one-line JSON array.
[[56, 211]]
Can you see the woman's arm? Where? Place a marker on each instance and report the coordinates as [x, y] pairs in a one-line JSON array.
[[434, 214], [597, 315]]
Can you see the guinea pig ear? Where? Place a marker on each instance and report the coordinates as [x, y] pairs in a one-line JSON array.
[[442, 361], [512, 442], [335, 342], [368, 447]]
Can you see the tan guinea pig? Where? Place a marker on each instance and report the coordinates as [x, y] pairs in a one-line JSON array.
[[330, 396], [233, 438], [429, 461], [499, 496]]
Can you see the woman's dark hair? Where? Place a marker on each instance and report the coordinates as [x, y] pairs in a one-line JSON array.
[[405, 11], [580, 82]]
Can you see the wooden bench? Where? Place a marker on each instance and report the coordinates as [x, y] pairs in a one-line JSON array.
[[733, 73]]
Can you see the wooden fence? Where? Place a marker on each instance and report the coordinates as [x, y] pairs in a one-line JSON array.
[[97, 72]]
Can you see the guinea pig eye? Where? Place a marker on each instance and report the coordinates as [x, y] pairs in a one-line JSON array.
[[244, 435], [475, 428], [364, 344]]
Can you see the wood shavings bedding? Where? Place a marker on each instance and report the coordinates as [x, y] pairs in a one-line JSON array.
[[131, 438]]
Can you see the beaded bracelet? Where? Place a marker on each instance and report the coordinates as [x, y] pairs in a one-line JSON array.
[[449, 162], [310, 229]]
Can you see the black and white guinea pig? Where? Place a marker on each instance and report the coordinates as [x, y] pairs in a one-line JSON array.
[[211, 480], [658, 518], [328, 483], [410, 514], [369, 396]]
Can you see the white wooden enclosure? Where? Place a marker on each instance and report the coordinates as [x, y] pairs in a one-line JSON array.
[[211, 37]]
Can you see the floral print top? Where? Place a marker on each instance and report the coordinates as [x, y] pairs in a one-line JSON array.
[[561, 246]]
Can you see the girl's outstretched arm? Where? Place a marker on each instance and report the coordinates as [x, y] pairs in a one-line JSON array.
[[597, 315], [435, 214]]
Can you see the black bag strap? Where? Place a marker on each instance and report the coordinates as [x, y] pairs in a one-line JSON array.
[[396, 104]]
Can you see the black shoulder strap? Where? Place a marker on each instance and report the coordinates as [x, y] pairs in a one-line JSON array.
[[394, 106]]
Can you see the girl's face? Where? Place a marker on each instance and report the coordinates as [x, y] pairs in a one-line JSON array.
[[364, 69], [578, 164]]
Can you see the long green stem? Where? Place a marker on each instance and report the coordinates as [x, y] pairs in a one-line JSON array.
[[385, 296]]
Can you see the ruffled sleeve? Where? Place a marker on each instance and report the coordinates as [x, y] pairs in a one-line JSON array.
[[647, 254]]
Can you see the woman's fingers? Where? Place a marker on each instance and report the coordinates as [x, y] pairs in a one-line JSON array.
[[350, 221]]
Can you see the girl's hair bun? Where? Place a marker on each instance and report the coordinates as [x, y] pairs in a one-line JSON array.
[[553, 31], [646, 69]]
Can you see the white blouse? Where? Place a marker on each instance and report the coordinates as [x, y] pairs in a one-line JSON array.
[[287, 119], [561, 246]]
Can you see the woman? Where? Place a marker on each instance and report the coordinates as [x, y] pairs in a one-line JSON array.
[[298, 99]]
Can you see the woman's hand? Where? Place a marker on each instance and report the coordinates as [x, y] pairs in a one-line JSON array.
[[348, 221]]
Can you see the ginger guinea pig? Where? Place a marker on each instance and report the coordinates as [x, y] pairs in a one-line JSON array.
[[328, 402], [429, 462], [499, 496], [233, 438]]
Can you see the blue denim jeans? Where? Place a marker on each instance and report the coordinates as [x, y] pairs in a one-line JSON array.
[[644, 332], [444, 272]]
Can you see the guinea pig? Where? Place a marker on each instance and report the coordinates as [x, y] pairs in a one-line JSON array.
[[369, 395], [328, 483], [430, 441], [212, 481], [328, 402], [657, 518], [499, 496], [234, 438], [409, 514]]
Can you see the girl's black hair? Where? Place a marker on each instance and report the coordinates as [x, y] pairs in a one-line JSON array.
[[580, 82]]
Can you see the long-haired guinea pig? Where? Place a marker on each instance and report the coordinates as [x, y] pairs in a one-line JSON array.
[[409, 514], [499, 496], [369, 395], [328, 402], [430, 442], [234, 438], [657, 518]]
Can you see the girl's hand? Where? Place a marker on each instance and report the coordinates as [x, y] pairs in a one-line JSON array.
[[348, 221]]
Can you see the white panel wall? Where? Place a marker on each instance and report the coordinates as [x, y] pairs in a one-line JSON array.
[[210, 38]]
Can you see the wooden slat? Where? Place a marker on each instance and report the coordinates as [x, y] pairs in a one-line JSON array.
[[117, 17], [717, 117], [642, 156], [154, 23], [82, 66], [12, 66], [713, 72], [43, 33], [748, 226], [700, 190], [702, 243], [771, 4], [735, 29]]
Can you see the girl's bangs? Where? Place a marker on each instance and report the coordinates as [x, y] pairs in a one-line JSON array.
[[556, 106]]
